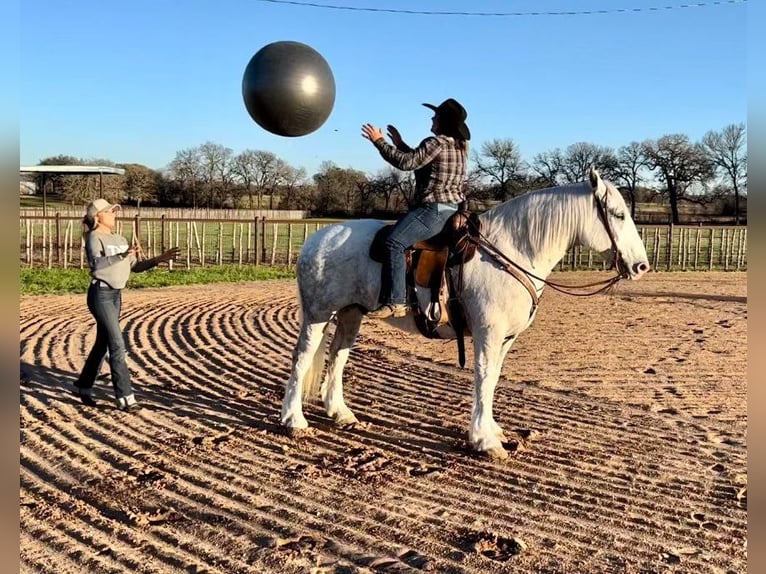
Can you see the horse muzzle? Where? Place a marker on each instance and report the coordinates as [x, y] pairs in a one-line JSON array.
[[637, 270]]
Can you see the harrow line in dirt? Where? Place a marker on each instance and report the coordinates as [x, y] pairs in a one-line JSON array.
[[109, 525], [201, 492], [88, 519], [553, 488]]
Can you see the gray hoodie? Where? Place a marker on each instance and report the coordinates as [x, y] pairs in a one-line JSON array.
[[108, 258]]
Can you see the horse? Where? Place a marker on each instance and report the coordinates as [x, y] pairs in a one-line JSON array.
[[337, 280]]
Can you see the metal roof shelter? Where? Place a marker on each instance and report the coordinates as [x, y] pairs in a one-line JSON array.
[[72, 170]]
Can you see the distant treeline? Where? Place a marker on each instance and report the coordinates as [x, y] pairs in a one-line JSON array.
[[704, 179]]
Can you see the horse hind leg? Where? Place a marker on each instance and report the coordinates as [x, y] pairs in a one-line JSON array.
[[308, 358], [349, 320]]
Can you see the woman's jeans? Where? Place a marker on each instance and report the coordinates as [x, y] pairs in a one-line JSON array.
[[104, 304], [419, 224]]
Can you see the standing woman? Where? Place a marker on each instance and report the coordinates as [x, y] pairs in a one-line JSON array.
[[439, 163], [111, 261]]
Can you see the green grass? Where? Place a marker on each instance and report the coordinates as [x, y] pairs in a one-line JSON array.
[[62, 281]]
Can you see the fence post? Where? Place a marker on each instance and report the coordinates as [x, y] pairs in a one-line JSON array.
[[670, 246], [162, 233], [289, 244], [58, 238], [275, 235], [263, 240], [137, 230], [697, 248]]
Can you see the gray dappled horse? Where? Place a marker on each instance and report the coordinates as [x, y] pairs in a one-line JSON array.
[[336, 276]]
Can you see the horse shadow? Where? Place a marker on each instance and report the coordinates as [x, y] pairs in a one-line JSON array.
[[256, 411]]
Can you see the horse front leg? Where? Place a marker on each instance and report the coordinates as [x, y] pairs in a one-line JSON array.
[[484, 433], [506, 346], [307, 359], [346, 330]]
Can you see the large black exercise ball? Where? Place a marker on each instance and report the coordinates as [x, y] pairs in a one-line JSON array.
[[288, 88]]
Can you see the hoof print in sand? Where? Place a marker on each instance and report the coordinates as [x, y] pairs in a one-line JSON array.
[[493, 546]]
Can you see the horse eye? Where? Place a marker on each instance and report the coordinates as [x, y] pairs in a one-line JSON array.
[[620, 216]]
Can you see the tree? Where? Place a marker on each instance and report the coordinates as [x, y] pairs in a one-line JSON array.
[[217, 176], [385, 184], [259, 171], [337, 188], [726, 149], [186, 171], [292, 180], [628, 171], [500, 162], [548, 165], [680, 164], [581, 156], [140, 183]]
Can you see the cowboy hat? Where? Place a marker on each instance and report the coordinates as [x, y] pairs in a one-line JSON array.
[[452, 118]]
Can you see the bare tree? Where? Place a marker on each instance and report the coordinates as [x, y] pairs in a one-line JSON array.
[[292, 180], [500, 162], [581, 156], [384, 185], [680, 164], [186, 171], [726, 149], [260, 171], [631, 162], [217, 177], [549, 166]]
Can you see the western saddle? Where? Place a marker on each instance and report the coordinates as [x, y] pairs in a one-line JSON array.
[[428, 263]]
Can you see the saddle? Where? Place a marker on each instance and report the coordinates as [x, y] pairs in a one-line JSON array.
[[441, 315]]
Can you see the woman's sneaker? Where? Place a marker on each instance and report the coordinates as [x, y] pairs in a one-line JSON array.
[[128, 404], [386, 311]]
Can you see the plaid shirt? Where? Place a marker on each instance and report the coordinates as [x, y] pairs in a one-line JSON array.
[[439, 166]]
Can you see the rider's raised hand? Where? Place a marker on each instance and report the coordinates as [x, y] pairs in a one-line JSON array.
[[372, 133], [396, 137]]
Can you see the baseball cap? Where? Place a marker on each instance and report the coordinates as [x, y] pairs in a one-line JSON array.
[[99, 205]]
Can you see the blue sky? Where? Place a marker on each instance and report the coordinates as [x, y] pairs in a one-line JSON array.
[[135, 82]]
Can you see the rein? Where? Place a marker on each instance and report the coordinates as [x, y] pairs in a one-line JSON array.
[[513, 268], [523, 275]]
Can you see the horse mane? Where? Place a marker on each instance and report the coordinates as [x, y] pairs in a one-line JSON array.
[[540, 220]]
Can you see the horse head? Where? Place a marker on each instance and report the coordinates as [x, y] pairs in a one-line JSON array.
[[612, 230]]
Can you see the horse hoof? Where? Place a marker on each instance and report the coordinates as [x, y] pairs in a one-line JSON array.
[[294, 432], [495, 453], [346, 422]]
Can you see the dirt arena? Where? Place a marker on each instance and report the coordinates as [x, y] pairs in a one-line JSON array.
[[628, 414]]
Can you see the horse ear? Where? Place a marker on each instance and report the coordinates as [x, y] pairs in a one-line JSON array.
[[596, 183]]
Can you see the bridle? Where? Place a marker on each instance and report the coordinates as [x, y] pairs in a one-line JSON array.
[[525, 276], [618, 262]]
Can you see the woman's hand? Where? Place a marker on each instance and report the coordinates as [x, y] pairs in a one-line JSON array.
[[170, 254], [372, 133]]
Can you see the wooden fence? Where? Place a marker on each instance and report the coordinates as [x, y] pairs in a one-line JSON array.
[[57, 241]]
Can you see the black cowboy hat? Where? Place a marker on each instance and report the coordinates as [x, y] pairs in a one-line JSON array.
[[452, 118]]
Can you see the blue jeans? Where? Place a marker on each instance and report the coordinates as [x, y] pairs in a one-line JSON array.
[[104, 304], [418, 224]]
